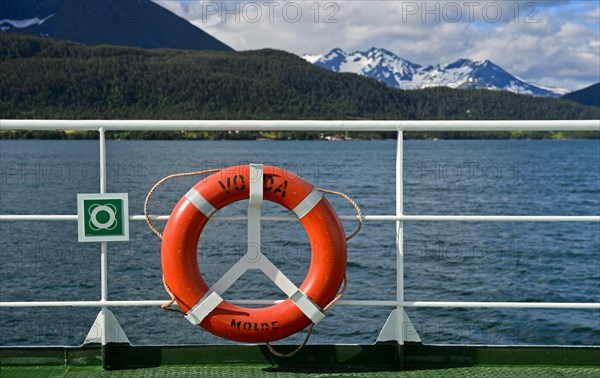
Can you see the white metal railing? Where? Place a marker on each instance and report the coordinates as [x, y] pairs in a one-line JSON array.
[[399, 126], [178, 125], [367, 218]]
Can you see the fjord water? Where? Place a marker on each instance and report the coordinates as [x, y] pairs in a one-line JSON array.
[[445, 261]]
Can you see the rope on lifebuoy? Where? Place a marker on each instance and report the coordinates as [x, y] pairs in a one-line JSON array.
[[353, 203], [310, 328], [162, 181]]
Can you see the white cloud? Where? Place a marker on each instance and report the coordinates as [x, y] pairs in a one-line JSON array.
[[546, 42]]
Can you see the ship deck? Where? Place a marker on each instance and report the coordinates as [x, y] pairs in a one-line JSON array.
[[379, 360], [266, 371]]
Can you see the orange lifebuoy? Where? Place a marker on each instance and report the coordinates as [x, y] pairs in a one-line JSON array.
[[180, 242]]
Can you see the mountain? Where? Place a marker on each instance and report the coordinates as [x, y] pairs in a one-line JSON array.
[[55, 79], [139, 23], [397, 72], [586, 96], [379, 64]]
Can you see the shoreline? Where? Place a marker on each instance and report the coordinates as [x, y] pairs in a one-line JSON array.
[[296, 136]]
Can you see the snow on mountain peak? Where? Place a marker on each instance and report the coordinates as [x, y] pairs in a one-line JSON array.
[[377, 63], [385, 66], [21, 24]]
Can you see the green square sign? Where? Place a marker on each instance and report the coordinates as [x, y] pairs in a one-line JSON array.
[[103, 217]]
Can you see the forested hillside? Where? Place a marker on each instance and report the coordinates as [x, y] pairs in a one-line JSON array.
[[45, 78], [586, 96]]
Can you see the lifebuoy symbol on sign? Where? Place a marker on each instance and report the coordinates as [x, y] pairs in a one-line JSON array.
[[97, 209]]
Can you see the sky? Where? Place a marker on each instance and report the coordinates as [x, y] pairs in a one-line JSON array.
[[545, 42]]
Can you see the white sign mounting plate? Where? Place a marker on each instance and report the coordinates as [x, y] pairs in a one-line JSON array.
[[102, 217]]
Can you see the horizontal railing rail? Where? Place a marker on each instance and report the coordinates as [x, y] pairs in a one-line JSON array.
[[371, 218], [355, 302], [331, 126], [179, 125]]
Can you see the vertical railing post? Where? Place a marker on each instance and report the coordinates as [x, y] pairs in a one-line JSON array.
[[400, 235], [103, 245], [106, 329], [398, 326]]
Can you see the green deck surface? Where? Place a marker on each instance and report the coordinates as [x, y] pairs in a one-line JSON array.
[[265, 371], [379, 360]]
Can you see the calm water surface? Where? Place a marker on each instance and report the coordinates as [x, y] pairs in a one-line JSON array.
[[479, 261]]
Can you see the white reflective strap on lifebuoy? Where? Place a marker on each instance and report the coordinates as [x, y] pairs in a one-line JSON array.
[[231, 276], [307, 204], [255, 201], [256, 185], [205, 306], [307, 306], [304, 303], [200, 203]]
